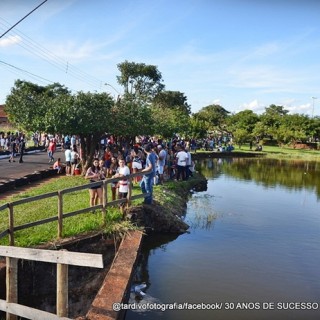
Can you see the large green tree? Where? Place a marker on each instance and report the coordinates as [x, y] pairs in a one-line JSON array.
[[52, 109], [174, 100], [141, 82], [241, 125], [167, 122], [215, 116], [90, 116], [131, 118], [28, 105]]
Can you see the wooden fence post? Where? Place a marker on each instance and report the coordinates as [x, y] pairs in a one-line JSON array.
[[12, 284], [129, 192], [60, 214], [62, 290], [105, 201], [11, 225]]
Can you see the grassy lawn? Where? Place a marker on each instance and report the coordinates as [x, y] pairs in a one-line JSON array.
[[41, 209], [276, 152], [285, 152]]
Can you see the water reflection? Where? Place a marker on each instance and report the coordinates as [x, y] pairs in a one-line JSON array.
[[292, 174], [151, 244], [253, 240], [203, 213]]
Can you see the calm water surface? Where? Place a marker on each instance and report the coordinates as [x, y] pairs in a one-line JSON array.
[[254, 238]]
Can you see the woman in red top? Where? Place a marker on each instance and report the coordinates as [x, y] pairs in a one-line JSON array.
[[51, 150], [107, 157]]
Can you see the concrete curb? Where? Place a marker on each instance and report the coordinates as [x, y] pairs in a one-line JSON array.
[[29, 178], [116, 285], [7, 155]]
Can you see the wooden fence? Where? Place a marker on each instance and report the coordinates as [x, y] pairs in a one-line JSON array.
[[60, 214], [62, 258]]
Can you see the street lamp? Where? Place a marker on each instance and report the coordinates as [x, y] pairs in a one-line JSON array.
[[313, 98], [108, 84]]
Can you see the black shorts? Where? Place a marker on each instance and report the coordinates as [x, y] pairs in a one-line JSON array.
[[95, 187]]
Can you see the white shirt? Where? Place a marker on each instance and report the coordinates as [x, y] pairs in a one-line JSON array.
[[182, 157], [123, 184], [67, 154]]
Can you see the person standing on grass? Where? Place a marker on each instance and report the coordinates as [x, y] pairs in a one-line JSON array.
[[74, 159], [95, 174], [162, 156], [147, 179], [182, 158], [111, 172], [123, 184], [67, 155]]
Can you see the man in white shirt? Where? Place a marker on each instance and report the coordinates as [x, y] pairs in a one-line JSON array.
[[162, 156], [67, 155], [182, 158]]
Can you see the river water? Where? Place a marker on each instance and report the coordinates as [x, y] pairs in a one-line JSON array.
[[252, 251]]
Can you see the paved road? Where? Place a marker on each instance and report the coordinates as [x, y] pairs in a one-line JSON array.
[[31, 162]]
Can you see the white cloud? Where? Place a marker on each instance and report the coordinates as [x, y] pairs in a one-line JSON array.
[[9, 41], [254, 105]]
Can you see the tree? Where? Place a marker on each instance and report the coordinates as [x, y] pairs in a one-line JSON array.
[[242, 125], [89, 116], [131, 118], [240, 136], [52, 109], [272, 118], [175, 100], [140, 81], [28, 104], [198, 128], [167, 122], [215, 116]]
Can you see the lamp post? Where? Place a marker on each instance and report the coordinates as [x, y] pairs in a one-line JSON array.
[[108, 84], [313, 98]]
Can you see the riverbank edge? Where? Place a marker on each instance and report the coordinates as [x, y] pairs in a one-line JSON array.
[[116, 286]]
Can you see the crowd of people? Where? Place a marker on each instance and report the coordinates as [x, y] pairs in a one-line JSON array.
[[156, 160], [15, 143]]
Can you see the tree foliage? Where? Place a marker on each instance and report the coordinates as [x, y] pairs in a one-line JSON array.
[[140, 81], [167, 122], [131, 118], [28, 104], [174, 100], [215, 116], [52, 109]]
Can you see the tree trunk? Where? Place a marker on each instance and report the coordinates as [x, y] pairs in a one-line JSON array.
[[88, 147]]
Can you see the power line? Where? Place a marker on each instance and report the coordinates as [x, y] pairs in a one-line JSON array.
[[25, 71], [23, 18], [36, 49], [64, 66]]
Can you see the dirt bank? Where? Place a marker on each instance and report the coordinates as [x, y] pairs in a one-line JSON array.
[[37, 281], [164, 215]]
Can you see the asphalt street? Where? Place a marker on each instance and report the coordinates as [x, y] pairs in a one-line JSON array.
[[31, 162]]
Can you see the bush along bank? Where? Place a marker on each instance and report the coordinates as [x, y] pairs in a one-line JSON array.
[[169, 204]]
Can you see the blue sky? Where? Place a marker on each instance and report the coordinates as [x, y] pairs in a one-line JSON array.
[[241, 54]]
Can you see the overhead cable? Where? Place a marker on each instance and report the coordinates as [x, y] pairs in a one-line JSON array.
[[23, 18]]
